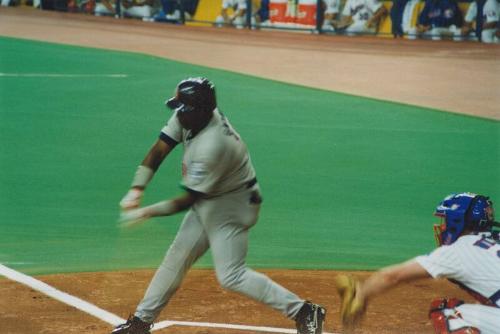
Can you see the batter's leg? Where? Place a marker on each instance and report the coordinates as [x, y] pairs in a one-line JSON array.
[[190, 243], [229, 244]]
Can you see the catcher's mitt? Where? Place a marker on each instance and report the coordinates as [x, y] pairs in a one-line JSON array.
[[352, 307]]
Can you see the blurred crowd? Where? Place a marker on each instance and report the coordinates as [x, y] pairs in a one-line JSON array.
[[428, 19]]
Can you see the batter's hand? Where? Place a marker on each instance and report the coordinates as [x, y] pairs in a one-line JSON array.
[[132, 199], [353, 306], [133, 217]]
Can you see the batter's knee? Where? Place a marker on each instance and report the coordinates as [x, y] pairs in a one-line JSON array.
[[447, 320], [232, 279]]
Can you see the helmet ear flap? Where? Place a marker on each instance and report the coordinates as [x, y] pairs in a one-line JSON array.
[[476, 216]]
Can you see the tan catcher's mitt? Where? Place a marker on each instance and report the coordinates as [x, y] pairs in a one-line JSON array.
[[352, 307]]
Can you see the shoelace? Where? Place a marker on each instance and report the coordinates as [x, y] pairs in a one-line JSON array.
[[313, 325]]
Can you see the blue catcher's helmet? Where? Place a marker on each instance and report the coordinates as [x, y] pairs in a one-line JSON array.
[[193, 94], [462, 211]]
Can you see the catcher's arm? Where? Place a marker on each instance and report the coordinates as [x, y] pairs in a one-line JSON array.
[[354, 295], [390, 277]]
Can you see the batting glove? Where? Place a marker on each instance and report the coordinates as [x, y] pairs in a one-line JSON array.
[[132, 199]]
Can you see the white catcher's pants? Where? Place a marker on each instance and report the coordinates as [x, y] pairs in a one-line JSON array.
[[221, 224], [484, 318]]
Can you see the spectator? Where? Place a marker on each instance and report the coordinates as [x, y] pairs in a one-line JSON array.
[[484, 15], [262, 15], [440, 18], [171, 10], [361, 16], [402, 18], [331, 13], [238, 16], [131, 8]]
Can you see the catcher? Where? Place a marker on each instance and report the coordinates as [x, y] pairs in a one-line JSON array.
[[468, 255]]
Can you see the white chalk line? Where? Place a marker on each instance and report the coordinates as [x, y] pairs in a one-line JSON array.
[[62, 75], [168, 323], [50, 291], [115, 320]]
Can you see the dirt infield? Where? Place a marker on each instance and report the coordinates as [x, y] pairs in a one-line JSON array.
[[200, 299], [458, 77]]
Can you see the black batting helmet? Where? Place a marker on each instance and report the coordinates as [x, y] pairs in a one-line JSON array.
[[193, 94]]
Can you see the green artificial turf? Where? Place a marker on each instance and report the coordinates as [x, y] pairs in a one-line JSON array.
[[348, 182]]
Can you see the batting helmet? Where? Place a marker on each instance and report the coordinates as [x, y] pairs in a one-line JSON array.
[[193, 94], [462, 211]]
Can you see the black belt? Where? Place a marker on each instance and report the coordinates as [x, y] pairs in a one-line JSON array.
[[251, 183]]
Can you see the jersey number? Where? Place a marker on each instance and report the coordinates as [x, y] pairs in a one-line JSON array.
[[486, 244]]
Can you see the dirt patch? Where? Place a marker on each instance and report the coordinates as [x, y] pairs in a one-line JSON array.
[[200, 299]]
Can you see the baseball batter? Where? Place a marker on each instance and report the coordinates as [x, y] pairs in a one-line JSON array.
[[469, 255], [223, 198]]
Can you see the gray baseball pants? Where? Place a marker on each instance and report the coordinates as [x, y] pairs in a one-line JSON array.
[[221, 224]]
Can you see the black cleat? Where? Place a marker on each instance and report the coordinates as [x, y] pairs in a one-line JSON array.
[[134, 325], [310, 319]]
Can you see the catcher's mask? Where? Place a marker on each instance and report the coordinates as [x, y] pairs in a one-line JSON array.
[[462, 211], [193, 94]]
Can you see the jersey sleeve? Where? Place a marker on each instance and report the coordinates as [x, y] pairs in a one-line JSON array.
[[442, 262], [172, 132]]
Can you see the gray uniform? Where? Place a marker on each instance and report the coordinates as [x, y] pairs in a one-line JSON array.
[[217, 164]]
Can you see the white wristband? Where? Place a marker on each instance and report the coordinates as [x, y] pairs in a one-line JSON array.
[[164, 208], [142, 176]]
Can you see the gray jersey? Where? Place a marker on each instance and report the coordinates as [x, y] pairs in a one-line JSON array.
[[216, 160]]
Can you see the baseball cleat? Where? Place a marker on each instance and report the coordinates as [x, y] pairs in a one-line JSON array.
[[134, 325], [310, 319]]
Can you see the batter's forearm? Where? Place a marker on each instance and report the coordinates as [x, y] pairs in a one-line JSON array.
[[170, 207], [156, 155]]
